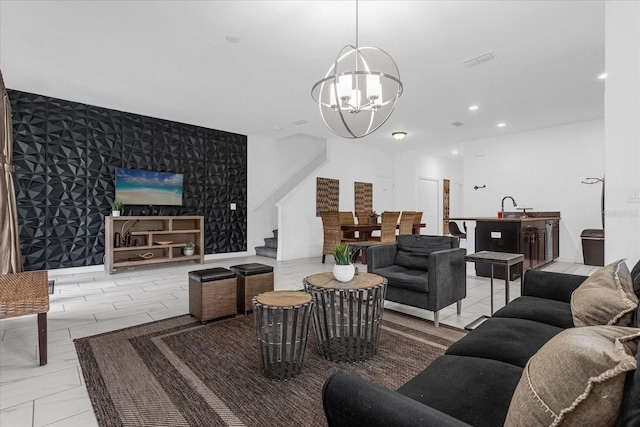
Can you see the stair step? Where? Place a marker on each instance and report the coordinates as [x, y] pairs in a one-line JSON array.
[[266, 252], [275, 233], [271, 242]]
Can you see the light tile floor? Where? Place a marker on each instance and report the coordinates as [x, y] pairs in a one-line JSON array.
[[92, 303]]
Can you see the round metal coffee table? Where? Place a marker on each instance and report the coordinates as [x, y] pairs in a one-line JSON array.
[[282, 323], [347, 316]]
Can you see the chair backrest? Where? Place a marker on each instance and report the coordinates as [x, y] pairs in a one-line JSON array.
[[388, 227], [346, 218], [406, 222], [363, 217], [417, 218], [454, 230], [331, 231]]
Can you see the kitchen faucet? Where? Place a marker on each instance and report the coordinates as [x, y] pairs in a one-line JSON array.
[[512, 199]]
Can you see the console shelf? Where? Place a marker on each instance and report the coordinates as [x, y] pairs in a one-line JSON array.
[[153, 240]]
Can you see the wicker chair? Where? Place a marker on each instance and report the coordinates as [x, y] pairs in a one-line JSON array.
[[27, 293], [363, 217], [388, 228], [417, 219], [332, 232], [406, 222], [346, 218]]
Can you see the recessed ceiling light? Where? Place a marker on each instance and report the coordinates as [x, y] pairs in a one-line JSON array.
[[602, 76], [399, 135], [454, 152], [473, 108], [501, 125], [232, 39]]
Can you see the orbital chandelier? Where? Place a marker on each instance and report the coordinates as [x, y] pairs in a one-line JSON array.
[[360, 90]]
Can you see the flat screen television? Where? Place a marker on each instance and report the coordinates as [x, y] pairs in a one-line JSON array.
[[138, 187]]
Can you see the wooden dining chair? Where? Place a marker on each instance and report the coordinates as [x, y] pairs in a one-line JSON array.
[[346, 218], [388, 227], [363, 217], [332, 232], [417, 219], [406, 222]]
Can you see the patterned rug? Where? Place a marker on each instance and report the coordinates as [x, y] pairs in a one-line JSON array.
[[177, 372]]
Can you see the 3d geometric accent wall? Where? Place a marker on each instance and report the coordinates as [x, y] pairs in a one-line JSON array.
[[65, 155]]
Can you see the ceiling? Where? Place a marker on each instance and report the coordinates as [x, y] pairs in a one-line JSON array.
[[171, 59]]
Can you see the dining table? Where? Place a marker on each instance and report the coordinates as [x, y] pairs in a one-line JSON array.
[[365, 230]]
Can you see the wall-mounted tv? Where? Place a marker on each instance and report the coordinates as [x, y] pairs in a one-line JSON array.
[[138, 187]]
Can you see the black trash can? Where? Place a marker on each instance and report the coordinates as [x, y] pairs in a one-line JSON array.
[[593, 247]]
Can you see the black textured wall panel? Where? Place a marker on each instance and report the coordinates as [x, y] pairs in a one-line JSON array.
[[65, 154]]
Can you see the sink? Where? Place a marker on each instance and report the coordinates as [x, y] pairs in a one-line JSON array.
[[512, 215]]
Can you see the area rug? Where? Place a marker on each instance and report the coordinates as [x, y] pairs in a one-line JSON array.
[[177, 372]]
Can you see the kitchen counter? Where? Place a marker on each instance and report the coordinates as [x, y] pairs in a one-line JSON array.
[[536, 236], [513, 217]]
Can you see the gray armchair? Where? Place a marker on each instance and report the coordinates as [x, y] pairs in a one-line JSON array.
[[422, 271]]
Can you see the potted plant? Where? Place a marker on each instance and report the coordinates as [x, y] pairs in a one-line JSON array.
[[343, 270], [116, 207], [189, 249]]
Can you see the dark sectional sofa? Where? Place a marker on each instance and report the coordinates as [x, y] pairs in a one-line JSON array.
[[473, 383]]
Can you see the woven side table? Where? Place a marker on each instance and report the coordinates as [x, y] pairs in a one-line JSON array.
[[282, 323], [27, 293], [347, 316]]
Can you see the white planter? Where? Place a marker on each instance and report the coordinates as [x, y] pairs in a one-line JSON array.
[[344, 273], [115, 213], [187, 251]]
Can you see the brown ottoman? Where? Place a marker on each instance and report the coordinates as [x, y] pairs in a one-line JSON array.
[[212, 293], [253, 279]]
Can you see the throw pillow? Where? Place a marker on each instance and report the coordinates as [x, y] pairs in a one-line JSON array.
[[605, 298], [575, 379]]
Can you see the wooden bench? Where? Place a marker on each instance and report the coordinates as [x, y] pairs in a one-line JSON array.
[[27, 293]]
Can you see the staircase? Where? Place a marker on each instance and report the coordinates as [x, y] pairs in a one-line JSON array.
[[270, 248]]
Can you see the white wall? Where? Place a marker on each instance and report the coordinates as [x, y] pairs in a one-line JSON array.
[[622, 131], [411, 166], [543, 170], [300, 231], [270, 164]]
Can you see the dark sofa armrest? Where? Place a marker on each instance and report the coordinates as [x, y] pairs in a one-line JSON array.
[[379, 256], [447, 276], [351, 401], [550, 285]]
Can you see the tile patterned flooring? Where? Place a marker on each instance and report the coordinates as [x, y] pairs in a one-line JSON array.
[[92, 303]]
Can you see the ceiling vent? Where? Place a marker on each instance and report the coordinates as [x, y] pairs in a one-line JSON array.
[[472, 62], [457, 124]]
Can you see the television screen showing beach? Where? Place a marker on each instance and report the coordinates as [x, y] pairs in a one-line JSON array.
[[138, 187]]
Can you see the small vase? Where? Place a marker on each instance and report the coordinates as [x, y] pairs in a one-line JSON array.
[[344, 273], [115, 213], [187, 251]]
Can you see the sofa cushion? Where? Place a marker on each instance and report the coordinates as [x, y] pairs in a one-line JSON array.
[[635, 276], [551, 312], [412, 260], [506, 340], [401, 277], [629, 409], [414, 249], [419, 244], [472, 389], [605, 298], [577, 378]]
